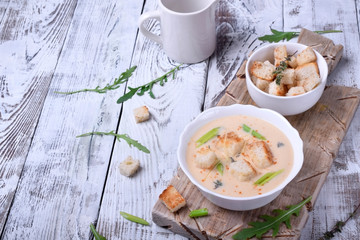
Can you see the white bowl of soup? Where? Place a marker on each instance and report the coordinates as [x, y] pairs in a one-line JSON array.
[[240, 157]]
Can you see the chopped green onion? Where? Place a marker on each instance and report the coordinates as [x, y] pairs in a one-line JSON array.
[[220, 168], [134, 218], [207, 136], [97, 236], [199, 213], [246, 128], [267, 177], [257, 135]]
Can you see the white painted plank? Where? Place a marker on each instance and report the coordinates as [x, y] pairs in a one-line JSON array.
[[176, 104], [31, 38], [62, 182], [340, 193]]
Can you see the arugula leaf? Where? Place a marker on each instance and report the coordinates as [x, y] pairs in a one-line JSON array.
[[220, 167], [140, 90], [126, 137], [124, 77], [96, 234], [277, 36], [270, 222], [207, 136]]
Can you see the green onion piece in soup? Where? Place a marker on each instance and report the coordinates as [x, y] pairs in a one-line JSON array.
[[207, 136], [246, 128], [267, 177], [257, 135], [220, 168]]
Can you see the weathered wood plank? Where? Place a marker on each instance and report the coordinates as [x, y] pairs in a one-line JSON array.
[[320, 148], [31, 39], [63, 178], [176, 104], [340, 192]]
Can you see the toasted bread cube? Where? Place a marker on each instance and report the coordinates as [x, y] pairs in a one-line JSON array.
[[141, 114], [259, 154], [242, 169], [280, 54], [129, 166], [205, 158], [309, 83], [288, 76], [306, 56], [278, 90], [172, 199], [263, 85], [308, 76], [227, 146], [292, 63], [294, 91], [263, 70]]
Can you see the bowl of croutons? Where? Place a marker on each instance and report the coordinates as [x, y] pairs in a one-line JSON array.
[[286, 77]]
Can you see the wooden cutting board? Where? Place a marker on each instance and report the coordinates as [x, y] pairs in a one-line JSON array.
[[322, 129]]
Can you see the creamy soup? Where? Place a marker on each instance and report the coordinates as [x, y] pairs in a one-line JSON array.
[[236, 152]]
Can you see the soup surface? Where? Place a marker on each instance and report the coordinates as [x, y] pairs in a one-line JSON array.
[[225, 163]]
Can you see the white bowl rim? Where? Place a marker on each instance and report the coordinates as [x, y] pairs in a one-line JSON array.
[[280, 187], [323, 78]]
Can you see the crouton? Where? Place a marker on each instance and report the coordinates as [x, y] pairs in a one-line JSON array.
[[263, 85], [228, 145], [141, 114], [306, 56], [242, 169], [129, 166], [280, 54], [292, 63], [205, 158], [278, 90], [263, 70], [308, 76], [259, 154], [294, 91], [172, 199], [288, 76]]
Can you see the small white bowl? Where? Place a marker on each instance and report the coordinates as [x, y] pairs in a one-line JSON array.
[[241, 203], [285, 105]]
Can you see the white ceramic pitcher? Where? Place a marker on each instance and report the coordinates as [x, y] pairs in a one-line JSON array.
[[187, 29]]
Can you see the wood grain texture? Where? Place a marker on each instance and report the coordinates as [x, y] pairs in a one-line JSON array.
[[320, 148], [61, 185], [31, 36]]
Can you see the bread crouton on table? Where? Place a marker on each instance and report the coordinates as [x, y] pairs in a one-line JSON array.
[[306, 56], [259, 154], [228, 145], [241, 169], [172, 199], [129, 166], [205, 158], [265, 71], [141, 114]]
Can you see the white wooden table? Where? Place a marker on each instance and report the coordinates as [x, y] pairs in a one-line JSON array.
[[53, 185]]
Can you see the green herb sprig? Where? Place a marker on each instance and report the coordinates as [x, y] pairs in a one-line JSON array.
[[267, 177], [218, 184], [277, 36], [259, 228], [124, 77], [135, 219], [96, 234], [140, 90], [199, 213], [207, 136], [129, 140], [279, 71]]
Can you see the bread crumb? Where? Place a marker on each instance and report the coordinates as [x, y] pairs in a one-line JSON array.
[[129, 166]]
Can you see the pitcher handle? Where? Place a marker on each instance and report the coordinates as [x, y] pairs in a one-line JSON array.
[[143, 30]]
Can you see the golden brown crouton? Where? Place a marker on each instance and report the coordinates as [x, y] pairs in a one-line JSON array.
[[259, 154], [280, 54], [228, 145], [288, 76], [263, 85], [129, 166], [263, 70], [205, 158], [242, 169], [294, 91], [292, 63], [172, 199], [141, 114], [308, 76], [278, 90], [306, 56]]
